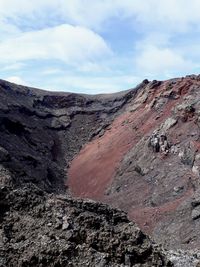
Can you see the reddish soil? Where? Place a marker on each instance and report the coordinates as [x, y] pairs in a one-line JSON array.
[[92, 170], [148, 217], [95, 169]]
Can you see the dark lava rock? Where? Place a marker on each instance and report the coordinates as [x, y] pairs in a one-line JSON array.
[[42, 131], [54, 230]]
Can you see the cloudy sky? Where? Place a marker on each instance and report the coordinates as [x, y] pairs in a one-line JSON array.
[[96, 46]]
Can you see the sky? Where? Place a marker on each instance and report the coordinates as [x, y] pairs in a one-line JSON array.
[[97, 46]]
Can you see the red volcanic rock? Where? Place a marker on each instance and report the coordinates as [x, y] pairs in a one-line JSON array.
[[155, 186]]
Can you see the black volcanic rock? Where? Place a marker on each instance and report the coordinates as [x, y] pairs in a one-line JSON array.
[[42, 131], [48, 230]]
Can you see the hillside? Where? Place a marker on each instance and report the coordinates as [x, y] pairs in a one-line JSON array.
[[147, 162], [136, 150]]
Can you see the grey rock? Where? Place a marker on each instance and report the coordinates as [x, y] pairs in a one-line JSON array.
[[196, 213], [170, 122], [187, 154], [195, 201]]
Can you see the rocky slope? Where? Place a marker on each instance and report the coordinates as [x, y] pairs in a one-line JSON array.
[[40, 225], [136, 150], [147, 162]]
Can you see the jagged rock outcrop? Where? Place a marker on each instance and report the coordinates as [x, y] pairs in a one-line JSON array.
[[54, 230]]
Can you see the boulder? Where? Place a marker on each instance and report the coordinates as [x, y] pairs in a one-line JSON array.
[[170, 122], [196, 213]]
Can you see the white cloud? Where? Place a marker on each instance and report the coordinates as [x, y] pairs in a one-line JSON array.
[[13, 67], [12, 8], [92, 85], [94, 67], [155, 60], [86, 13], [7, 30], [165, 39], [17, 80], [70, 44], [52, 71], [89, 13], [173, 14]]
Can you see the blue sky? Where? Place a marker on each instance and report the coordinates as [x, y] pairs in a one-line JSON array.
[[97, 46]]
